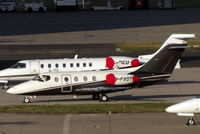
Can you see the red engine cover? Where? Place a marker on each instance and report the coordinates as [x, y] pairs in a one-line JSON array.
[[110, 79], [135, 79], [110, 62], [135, 63]]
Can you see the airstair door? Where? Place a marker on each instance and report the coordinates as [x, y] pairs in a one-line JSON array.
[[34, 66]]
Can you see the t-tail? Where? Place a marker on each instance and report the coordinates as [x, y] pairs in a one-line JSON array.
[[163, 62], [174, 38]]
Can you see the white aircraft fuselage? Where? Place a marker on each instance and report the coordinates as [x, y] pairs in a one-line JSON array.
[[28, 69]]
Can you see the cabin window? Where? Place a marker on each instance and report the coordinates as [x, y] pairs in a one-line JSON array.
[[49, 65], [46, 77], [71, 65], [75, 78], [56, 65], [85, 78], [64, 65], [19, 65], [90, 64], [77, 65], [66, 79], [94, 78], [56, 79], [42, 66], [84, 64]]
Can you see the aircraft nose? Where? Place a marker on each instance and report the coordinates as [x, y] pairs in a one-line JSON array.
[[12, 91], [170, 109]]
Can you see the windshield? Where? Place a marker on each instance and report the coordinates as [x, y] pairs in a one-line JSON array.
[[19, 65], [38, 78], [46, 77]]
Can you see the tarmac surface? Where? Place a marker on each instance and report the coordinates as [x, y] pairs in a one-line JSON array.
[[135, 123], [97, 27]]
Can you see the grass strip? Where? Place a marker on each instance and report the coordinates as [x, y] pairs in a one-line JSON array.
[[86, 108], [149, 46]]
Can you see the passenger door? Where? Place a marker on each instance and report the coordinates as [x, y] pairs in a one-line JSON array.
[[66, 83], [34, 66]]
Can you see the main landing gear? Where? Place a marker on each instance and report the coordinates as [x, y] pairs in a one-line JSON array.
[[191, 122], [100, 97]]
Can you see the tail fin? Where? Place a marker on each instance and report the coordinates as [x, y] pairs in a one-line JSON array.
[[173, 39], [165, 59]]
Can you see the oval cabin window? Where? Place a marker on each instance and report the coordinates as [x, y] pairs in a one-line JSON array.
[[66, 79], [75, 78], [85, 78], [94, 78]]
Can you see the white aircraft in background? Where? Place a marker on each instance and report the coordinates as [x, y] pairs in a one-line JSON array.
[[186, 108], [99, 83], [28, 69]]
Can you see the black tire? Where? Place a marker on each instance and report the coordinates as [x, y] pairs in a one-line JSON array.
[[5, 87], [41, 9], [191, 122], [30, 10], [103, 98], [27, 100], [95, 96]]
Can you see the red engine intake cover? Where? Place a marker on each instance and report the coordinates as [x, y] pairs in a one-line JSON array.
[[110, 62], [110, 79], [135, 79], [135, 63]]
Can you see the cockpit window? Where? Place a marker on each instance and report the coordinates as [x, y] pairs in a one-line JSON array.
[[19, 65], [38, 78], [46, 77]]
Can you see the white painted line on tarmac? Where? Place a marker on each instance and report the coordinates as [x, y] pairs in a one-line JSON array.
[[66, 124]]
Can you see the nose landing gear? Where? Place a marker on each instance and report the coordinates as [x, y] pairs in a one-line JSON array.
[[27, 99], [191, 122], [5, 87]]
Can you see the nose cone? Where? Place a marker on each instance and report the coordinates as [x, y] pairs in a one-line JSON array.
[[171, 109], [12, 91]]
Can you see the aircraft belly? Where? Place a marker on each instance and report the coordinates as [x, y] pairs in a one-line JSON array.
[[84, 89]]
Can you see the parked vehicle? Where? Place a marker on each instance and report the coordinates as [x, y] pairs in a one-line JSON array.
[[66, 5], [109, 7], [7, 6], [34, 7]]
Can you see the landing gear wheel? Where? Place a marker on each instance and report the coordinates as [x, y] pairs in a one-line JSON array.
[[191, 122], [5, 87], [95, 96], [27, 100], [30, 10], [41, 9], [104, 98]]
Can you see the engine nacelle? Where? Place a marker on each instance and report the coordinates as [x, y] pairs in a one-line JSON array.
[[118, 79], [121, 62]]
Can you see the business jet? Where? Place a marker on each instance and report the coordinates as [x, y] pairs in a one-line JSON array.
[[99, 83], [28, 69], [186, 108]]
